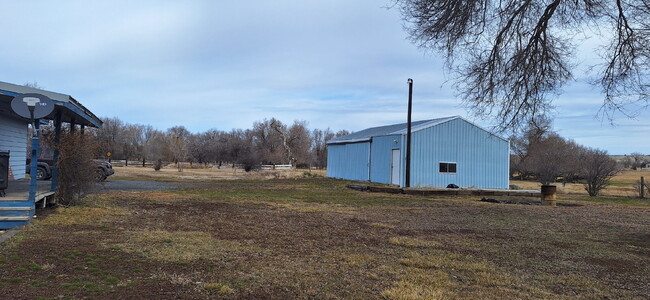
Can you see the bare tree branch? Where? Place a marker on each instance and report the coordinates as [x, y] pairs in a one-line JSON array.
[[512, 58]]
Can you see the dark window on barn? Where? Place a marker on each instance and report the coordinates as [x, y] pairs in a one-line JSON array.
[[447, 167]]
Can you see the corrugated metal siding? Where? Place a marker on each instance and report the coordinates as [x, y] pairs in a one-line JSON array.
[[384, 130], [482, 158], [13, 137], [380, 164], [348, 161]]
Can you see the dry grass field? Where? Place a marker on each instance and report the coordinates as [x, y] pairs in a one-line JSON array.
[[622, 185], [201, 173], [313, 238]]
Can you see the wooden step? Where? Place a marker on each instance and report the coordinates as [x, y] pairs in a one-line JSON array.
[[16, 208], [17, 218], [14, 199]]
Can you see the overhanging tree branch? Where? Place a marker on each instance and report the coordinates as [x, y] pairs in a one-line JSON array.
[[511, 58]]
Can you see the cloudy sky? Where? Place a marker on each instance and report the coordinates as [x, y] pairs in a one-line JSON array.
[[225, 64]]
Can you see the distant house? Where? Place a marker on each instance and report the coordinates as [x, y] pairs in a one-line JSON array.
[[444, 151]]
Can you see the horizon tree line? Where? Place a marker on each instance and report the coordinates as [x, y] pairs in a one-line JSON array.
[[269, 141]]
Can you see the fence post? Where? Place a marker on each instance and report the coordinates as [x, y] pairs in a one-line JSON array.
[[642, 188]]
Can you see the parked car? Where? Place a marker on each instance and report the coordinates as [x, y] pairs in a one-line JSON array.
[[104, 169], [44, 168]]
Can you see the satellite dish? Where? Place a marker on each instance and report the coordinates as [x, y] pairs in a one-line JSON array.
[[43, 106]]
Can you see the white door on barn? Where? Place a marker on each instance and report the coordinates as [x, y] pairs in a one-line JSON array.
[[394, 167]]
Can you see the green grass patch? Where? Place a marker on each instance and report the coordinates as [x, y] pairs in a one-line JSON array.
[[112, 280]]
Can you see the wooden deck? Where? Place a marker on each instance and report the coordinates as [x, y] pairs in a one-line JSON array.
[[18, 190]]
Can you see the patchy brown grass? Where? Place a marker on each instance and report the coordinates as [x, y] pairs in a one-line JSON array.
[[83, 215], [178, 246], [314, 238], [411, 242]]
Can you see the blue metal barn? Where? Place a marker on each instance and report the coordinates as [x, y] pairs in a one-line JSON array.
[[444, 151]]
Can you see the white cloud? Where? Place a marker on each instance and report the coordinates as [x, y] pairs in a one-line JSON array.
[[217, 64]]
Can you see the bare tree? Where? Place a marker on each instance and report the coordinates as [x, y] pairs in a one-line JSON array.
[[319, 147], [283, 132], [597, 169], [131, 142], [637, 161], [268, 143], [299, 143], [210, 146], [520, 143], [151, 144], [239, 148], [178, 136], [179, 149], [295, 140], [512, 57], [541, 154], [110, 136], [551, 157]]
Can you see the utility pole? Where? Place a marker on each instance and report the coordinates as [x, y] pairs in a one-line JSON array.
[[408, 135]]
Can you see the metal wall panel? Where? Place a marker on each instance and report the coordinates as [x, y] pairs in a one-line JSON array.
[[481, 158], [348, 161], [13, 137], [380, 162]]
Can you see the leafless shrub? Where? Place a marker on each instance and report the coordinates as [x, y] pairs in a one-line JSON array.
[[597, 169], [77, 171], [544, 155]]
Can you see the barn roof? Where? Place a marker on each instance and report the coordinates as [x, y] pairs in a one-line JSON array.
[[71, 109], [367, 134]]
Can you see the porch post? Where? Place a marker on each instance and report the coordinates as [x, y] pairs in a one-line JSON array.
[[55, 158], [34, 163], [73, 126]]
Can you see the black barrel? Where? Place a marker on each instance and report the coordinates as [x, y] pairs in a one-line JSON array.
[[4, 170]]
